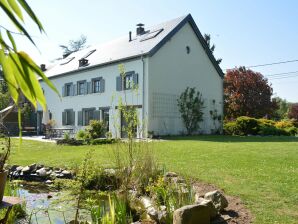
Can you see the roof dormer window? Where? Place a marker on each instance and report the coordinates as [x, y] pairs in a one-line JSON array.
[[83, 62]]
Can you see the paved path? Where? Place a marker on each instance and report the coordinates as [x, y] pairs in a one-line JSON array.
[[37, 138]]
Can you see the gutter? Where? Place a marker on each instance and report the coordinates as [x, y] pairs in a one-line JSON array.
[[83, 69]]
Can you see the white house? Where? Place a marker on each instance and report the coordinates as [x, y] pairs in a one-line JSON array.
[[163, 60]]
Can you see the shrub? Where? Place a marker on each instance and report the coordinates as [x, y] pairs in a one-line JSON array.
[[70, 141], [66, 136], [269, 130], [291, 131], [191, 105], [81, 135], [247, 125], [101, 141], [266, 122], [96, 129], [252, 126], [231, 128], [285, 124]]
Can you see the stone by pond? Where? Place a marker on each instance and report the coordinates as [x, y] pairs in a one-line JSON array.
[[37, 172]]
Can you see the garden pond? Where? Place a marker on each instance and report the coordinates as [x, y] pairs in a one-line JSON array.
[[44, 204]]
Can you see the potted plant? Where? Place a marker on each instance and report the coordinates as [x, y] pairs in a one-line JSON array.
[[4, 154]]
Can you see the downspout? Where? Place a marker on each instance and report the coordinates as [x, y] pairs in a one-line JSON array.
[[143, 95]]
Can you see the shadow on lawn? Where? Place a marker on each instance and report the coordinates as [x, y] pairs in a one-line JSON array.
[[230, 139]]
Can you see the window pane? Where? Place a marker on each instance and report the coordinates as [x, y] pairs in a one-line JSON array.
[[68, 89], [128, 82], [96, 86], [81, 88], [105, 118]]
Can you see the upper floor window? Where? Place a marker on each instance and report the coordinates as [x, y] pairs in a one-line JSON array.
[[81, 87], [127, 81], [68, 89], [96, 85]]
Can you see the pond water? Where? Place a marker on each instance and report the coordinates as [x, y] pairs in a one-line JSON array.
[[46, 205]]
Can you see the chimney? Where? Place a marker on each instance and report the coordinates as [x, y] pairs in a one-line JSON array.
[[43, 67], [130, 36], [140, 29]]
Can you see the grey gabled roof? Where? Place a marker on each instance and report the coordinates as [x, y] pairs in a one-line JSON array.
[[122, 49]]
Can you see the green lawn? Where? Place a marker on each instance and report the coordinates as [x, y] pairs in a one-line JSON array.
[[263, 171]]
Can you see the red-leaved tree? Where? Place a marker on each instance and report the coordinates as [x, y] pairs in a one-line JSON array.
[[247, 93], [293, 111]]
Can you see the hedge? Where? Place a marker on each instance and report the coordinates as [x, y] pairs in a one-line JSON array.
[[251, 126]]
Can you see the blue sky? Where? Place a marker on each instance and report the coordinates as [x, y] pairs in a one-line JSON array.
[[244, 32]]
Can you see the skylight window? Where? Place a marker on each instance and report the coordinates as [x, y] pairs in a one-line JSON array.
[[89, 53], [151, 34], [67, 61]]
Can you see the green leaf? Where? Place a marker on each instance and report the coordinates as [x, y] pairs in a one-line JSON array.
[[13, 4], [10, 14], [11, 40], [22, 79], [30, 12], [38, 71], [9, 77], [38, 93]]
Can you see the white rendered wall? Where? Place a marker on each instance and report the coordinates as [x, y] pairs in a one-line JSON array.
[[109, 98], [171, 71]]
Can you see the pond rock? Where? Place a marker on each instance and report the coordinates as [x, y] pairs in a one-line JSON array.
[[33, 167], [218, 199], [192, 214], [66, 174], [19, 168], [26, 170], [171, 174], [209, 204], [49, 182], [41, 172]]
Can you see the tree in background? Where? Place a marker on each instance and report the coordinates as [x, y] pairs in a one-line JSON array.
[[282, 109], [293, 111], [74, 45], [191, 107], [4, 95], [247, 93], [20, 72], [207, 38]]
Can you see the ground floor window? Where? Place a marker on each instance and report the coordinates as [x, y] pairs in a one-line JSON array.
[[105, 118], [68, 117], [88, 115]]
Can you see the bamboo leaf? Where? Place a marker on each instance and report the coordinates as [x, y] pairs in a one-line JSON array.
[[9, 77], [14, 5], [38, 71], [10, 14], [11, 40], [23, 80], [35, 84], [30, 12]]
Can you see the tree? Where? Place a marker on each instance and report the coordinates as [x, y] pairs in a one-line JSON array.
[[74, 45], [4, 95], [191, 107], [207, 38], [247, 93], [282, 109], [20, 72], [293, 111]]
